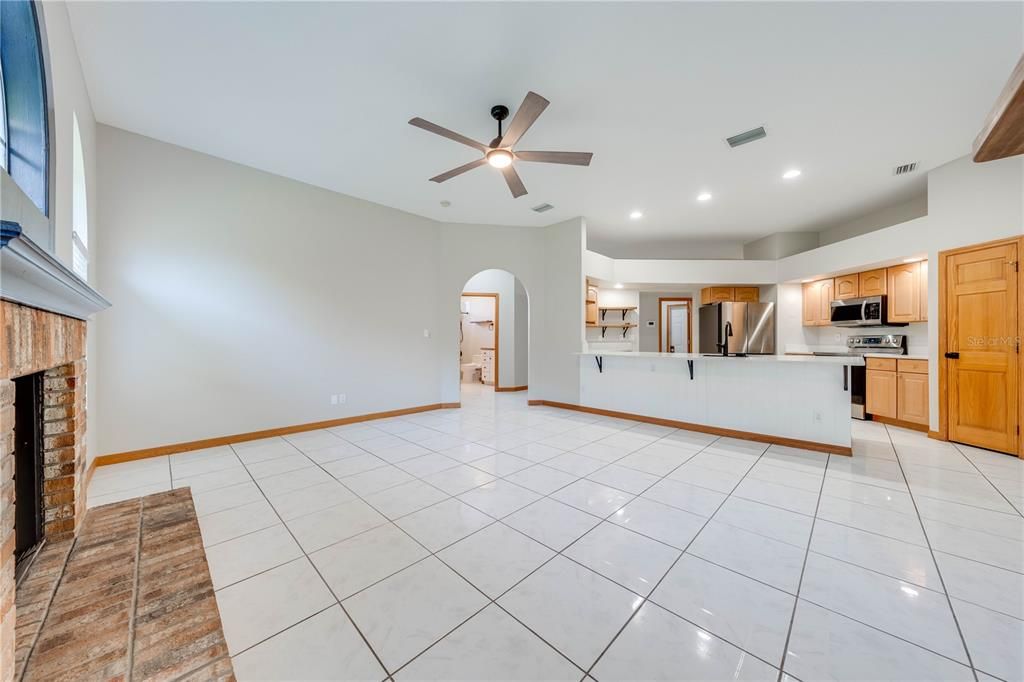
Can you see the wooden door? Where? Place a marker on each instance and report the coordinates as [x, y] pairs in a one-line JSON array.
[[880, 393], [873, 283], [981, 317], [847, 286], [912, 397], [904, 283], [923, 277], [678, 328]]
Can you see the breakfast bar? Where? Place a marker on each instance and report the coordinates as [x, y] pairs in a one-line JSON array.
[[802, 401]]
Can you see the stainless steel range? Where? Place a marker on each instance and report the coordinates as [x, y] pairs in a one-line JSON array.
[[885, 344]]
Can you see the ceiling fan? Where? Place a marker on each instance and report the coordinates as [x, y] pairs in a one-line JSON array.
[[500, 153]]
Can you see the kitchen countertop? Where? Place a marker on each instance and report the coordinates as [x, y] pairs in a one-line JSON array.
[[909, 356], [853, 360]]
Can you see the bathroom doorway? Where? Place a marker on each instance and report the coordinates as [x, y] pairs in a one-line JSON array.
[[493, 333]]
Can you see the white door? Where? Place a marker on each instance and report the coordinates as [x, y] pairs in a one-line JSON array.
[[678, 332]]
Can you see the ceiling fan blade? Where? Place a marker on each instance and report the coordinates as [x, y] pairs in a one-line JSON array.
[[514, 182], [458, 171], [444, 132], [533, 106], [568, 158]]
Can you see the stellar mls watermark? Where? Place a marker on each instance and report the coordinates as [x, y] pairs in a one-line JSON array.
[[992, 341]]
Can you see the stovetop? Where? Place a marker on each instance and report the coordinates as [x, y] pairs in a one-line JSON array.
[[887, 344]]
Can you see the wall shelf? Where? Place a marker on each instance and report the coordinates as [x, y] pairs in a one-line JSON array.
[[605, 326], [623, 308]]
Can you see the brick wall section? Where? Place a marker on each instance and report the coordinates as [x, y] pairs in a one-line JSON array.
[[32, 341], [63, 449]]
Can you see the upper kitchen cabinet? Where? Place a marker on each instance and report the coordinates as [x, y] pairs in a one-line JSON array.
[[908, 292], [818, 298], [730, 295], [872, 283], [847, 286]]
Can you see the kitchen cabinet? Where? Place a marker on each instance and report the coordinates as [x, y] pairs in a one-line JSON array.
[[747, 294], [872, 283], [591, 302], [897, 389], [880, 395], [730, 295], [817, 304], [847, 286], [905, 292]]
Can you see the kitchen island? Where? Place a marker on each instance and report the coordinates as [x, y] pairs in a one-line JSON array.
[[797, 400]]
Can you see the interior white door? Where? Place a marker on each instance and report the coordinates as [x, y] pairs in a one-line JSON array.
[[678, 331]]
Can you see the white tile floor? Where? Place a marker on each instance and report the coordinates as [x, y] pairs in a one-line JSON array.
[[505, 542]]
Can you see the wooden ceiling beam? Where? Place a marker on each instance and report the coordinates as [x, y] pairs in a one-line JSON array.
[[1003, 134]]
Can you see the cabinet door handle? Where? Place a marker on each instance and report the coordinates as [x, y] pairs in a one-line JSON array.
[[953, 356]]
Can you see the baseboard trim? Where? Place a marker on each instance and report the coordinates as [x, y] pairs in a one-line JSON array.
[[146, 453], [509, 389], [902, 424], [935, 435], [703, 428]]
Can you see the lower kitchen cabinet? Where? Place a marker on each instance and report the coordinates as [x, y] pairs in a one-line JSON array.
[[897, 389], [880, 397]]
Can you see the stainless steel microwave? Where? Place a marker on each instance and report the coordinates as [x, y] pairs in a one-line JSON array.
[[870, 311]]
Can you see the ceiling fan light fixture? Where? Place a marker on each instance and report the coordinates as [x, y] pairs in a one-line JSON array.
[[499, 158]]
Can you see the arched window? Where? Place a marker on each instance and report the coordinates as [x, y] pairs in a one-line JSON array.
[[25, 135], [79, 206]]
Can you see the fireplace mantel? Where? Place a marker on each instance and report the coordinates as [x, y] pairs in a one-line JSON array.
[[31, 276]]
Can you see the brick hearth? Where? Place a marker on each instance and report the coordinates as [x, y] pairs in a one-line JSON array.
[[34, 341]]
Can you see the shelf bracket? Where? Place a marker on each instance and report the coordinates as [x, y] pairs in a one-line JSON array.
[[624, 330], [600, 364], [602, 314], [689, 364], [603, 330], [846, 378]]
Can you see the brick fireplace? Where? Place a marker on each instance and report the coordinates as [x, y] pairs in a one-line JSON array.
[[51, 346]]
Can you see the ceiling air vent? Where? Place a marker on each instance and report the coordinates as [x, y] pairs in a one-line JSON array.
[[905, 168], [542, 208], [744, 138]]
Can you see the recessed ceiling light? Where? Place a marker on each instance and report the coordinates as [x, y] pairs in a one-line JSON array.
[[618, 285], [704, 196], [636, 215], [913, 260], [792, 173]]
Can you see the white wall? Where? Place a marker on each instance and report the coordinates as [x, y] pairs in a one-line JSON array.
[[521, 375], [243, 300], [613, 338]]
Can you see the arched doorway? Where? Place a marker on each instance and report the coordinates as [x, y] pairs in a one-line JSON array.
[[494, 323]]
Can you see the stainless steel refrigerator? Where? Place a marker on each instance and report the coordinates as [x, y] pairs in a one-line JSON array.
[[746, 327]]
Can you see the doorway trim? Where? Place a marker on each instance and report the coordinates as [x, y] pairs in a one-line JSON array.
[[689, 319], [497, 336], [943, 431]]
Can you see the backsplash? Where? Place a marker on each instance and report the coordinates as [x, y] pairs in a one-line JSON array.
[[834, 338]]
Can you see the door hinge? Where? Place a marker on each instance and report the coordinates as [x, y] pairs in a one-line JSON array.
[[1015, 264]]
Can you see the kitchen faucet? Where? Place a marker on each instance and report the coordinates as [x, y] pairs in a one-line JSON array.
[[728, 333]]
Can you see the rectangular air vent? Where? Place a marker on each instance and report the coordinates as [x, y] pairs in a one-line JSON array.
[[905, 168], [542, 208], [744, 138]]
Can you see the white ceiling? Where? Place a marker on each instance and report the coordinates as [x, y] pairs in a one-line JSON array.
[[322, 93]]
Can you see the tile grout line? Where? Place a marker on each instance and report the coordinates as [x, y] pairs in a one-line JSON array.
[[938, 571], [305, 555], [647, 599], [130, 657], [803, 570], [988, 479]]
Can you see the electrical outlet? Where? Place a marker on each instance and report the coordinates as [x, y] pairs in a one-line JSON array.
[[426, 333], [342, 398], [816, 417]]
